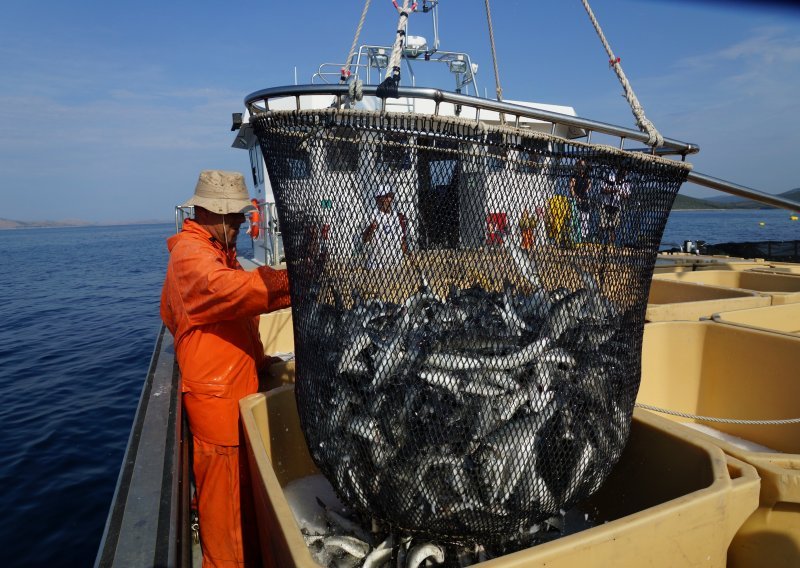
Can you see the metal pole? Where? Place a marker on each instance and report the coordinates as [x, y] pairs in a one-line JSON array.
[[742, 191]]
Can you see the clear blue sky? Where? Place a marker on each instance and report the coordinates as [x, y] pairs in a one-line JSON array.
[[108, 111]]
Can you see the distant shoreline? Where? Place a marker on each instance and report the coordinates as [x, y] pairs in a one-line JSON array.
[[6, 225]]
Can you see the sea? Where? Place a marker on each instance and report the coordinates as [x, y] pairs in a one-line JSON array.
[[78, 322]]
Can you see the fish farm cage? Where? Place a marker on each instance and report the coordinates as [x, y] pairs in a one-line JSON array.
[[468, 307]]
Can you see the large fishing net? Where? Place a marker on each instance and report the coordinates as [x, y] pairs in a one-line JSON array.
[[468, 310]]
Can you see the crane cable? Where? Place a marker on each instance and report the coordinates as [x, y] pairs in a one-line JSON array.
[[356, 91], [655, 138], [498, 88], [352, 53], [393, 69]]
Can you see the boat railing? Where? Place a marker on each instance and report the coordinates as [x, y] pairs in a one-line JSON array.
[[182, 212], [148, 523], [375, 58], [258, 102], [513, 114]]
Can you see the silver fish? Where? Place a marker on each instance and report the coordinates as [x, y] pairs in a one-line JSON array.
[[421, 552]]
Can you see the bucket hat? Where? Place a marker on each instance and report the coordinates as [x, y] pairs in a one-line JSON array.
[[221, 192]]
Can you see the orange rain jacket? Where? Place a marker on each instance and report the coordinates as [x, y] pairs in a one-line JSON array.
[[210, 304]]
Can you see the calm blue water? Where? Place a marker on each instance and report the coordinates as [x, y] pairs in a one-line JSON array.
[[730, 226], [78, 322]]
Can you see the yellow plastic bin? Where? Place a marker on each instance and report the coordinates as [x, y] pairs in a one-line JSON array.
[[708, 369], [671, 500], [279, 374], [671, 300], [275, 329], [682, 262], [786, 268], [781, 288], [777, 319]]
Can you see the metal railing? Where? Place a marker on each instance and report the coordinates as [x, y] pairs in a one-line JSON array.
[[182, 212], [258, 102]]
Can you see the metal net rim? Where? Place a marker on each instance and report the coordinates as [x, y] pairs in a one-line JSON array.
[[461, 126]]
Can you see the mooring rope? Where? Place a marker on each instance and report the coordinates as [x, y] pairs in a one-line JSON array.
[[655, 138], [498, 89], [719, 420]]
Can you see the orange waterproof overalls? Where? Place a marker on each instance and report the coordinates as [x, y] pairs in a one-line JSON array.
[[211, 306]]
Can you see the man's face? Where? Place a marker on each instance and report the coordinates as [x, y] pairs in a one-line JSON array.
[[224, 228], [384, 202], [229, 227]]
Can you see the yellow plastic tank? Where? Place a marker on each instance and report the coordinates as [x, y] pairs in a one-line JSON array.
[[275, 329], [683, 262], [788, 268], [278, 375], [777, 319], [671, 501], [781, 288], [723, 371], [672, 300]]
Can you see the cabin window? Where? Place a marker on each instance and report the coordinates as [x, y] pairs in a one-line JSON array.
[[341, 152], [298, 161], [394, 152], [496, 152], [442, 172], [299, 168], [256, 165]]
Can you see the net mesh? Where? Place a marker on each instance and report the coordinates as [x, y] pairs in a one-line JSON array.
[[468, 306]]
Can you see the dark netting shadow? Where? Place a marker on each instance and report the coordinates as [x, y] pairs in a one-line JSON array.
[[484, 377]]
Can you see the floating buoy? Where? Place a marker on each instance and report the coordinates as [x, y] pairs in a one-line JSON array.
[[761, 223], [793, 217]]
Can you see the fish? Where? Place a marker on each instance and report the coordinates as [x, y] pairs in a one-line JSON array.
[[379, 555], [352, 546], [422, 552], [476, 409], [524, 264]]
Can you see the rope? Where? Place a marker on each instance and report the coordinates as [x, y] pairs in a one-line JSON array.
[[719, 420], [393, 69], [498, 89], [352, 53], [644, 124]]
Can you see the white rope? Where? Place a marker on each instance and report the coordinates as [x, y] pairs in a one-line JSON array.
[[719, 420], [352, 52], [498, 89], [397, 48], [655, 139]]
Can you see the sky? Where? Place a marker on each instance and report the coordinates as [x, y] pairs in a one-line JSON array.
[[109, 110]]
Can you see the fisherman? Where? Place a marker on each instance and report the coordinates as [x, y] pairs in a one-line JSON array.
[[386, 233], [580, 185], [255, 218], [616, 189], [211, 307]]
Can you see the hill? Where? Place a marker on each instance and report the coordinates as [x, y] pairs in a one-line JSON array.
[[12, 224], [733, 202], [683, 202]]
